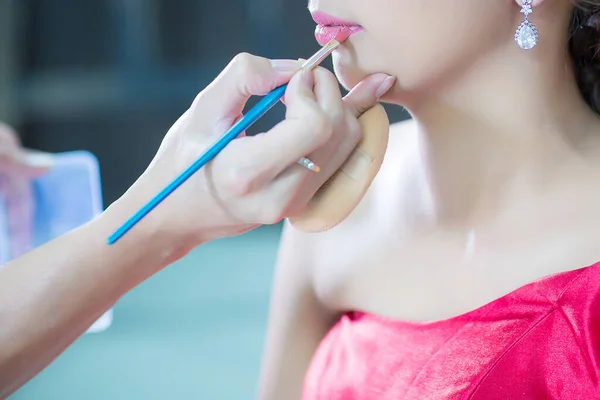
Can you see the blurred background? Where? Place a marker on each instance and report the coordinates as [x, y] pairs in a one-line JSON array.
[[110, 77]]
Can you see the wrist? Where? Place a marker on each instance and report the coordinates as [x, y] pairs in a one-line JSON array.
[[150, 241]]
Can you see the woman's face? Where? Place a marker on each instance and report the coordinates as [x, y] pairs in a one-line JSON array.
[[421, 42]]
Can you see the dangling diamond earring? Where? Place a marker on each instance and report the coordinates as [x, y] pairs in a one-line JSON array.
[[526, 35]]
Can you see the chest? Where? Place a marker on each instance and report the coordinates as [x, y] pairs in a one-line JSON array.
[[391, 258], [373, 263], [505, 351]]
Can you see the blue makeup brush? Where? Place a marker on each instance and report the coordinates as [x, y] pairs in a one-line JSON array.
[[253, 115]]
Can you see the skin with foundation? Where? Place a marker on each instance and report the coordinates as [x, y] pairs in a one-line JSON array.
[[492, 184]]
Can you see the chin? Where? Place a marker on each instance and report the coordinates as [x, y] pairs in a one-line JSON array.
[[353, 64], [347, 71], [350, 75]]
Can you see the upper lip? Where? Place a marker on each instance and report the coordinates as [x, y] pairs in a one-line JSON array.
[[322, 18]]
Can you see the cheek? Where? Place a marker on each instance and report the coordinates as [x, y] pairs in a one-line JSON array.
[[390, 38], [348, 72], [419, 42], [362, 57], [396, 48]]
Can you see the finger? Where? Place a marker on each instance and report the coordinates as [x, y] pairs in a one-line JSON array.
[[366, 94], [246, 75], [302, 60], [290, 188], [300, 96], [8, 136], [304, 130], [9, 145], [327, 92], [31, 163], [19, 203], [16, 160]]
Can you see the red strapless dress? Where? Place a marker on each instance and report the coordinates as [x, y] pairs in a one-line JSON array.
[[541, 341]]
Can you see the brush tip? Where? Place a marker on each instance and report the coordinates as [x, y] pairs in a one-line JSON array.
[[342, 35]]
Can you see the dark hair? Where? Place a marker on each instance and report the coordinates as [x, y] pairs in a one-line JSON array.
[[584, 46]]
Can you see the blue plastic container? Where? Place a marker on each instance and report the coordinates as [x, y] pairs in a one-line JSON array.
[[64, 198]]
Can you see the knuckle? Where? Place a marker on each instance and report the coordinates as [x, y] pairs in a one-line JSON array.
[[272, 215], [322, 125], [251, 73], [354, 132], [324, 73], [241, 187], [242, 181], [242, 59], [338, 116], [195, 103], [242, 176], [245, 63]]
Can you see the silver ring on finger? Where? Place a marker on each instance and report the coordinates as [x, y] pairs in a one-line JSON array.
[[308, 164]]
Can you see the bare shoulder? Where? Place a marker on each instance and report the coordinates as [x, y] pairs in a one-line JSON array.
[[404, 127], [401, 145], [388, 186]]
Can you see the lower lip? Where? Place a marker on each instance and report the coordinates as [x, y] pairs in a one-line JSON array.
[[324, 34]]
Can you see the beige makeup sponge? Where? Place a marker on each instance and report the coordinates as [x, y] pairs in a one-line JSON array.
[[340, 195]]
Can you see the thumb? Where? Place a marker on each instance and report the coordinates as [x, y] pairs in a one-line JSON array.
[[366, 94], [245, 76]]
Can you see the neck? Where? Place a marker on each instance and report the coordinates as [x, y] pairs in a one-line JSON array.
[[502, 128]]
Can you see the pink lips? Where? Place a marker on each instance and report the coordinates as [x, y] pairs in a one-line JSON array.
[[329, 27]]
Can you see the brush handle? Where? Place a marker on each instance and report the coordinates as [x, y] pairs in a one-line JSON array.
[[256, 112]]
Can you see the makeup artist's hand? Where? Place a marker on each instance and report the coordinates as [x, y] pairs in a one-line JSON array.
[[17, 161], [254, 180], [17, 167]]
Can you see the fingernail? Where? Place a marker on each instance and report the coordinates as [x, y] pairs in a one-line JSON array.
[[385, 86], [38, 160], [285, 65]]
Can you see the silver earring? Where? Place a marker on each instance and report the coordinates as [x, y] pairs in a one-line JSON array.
[[526, 35]]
